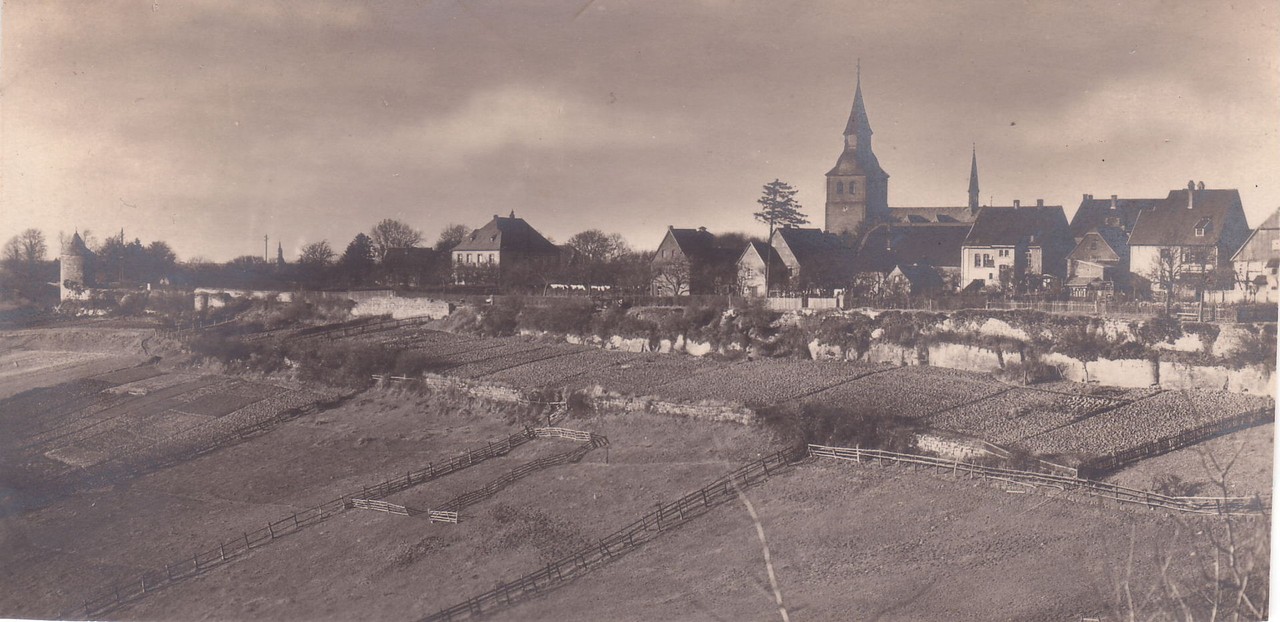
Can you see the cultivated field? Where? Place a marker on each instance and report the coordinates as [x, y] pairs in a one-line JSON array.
[[1068, 421], [119, 476]]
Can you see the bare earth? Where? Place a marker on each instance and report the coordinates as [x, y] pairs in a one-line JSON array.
[[848, 541]]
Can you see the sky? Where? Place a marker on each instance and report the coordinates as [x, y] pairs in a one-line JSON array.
[[211, 123]]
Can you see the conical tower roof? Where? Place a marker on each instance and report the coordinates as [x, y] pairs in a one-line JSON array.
[[858, 122], [75, 246], [973, 172]]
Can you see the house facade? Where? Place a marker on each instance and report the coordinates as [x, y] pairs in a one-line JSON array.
[[1188, 239], [1014, 248], [505, 251], [693, 261], [1098, 267], [1255, 264]]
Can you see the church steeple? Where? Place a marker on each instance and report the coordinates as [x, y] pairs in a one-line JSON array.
[[973, 181], [858, 124], [857, 188]]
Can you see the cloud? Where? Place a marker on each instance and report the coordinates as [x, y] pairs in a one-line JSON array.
[[522, 117]]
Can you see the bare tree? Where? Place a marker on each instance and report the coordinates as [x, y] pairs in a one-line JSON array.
[[391, 233], [1166, 273], [673, 276], [451, 236], [27, 247], [317, 254]]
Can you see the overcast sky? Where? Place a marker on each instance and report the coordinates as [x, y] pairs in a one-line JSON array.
[[211, 123]]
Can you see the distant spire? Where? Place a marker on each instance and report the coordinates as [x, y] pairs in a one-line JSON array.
[[973, 180], [858, 123]]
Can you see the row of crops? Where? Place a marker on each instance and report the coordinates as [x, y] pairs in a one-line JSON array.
[[1060, 418]]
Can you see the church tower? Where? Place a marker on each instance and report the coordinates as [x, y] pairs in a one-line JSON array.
[[857, 188]]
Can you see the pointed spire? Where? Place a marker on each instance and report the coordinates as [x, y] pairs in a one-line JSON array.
[[858, 122], [973, 180]]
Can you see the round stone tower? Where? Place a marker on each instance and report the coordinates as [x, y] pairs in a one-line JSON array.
[[73, 277]]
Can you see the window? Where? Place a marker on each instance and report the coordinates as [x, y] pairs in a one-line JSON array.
[[491, 259], [987, 261], [468, 257], [977, 260], [839, 187], [1004, 252]]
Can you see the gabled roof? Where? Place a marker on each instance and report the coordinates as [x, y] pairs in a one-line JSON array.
[[937, 245], [922, 277], [693, 242], [1094, 213], [506, 234], [1010, 226], [760, 250], [405, 257], [1102, 244], [827, 256], [1261, 243], [1172, 223]]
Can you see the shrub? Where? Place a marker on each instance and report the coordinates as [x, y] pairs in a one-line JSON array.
[[502, 318], [827, 424]]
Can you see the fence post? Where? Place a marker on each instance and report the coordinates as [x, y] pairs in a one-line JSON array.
[[222, 551], [271, 530]]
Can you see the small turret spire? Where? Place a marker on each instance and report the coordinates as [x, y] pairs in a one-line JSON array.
[[973, 180]]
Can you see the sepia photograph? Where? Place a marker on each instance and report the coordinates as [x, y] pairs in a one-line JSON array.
[[636, 310]]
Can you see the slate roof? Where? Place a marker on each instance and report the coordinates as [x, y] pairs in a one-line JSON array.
[[508, 234], [760, 249], [1114, 246], [1093, 213], [825, 255], [1171, 223], [938, 245], [1009, 226], [75, 246]]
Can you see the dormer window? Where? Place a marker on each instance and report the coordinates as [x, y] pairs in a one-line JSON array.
[[1203, 226], [1113, 221]]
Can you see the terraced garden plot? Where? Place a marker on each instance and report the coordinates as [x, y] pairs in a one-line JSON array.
[[154, 383], [645, 374], [1096, 390], [1018, 413], [127, 375], [483, 368], [418, 338], [223, 405], [159, 426], [460, 352], [1163, 415], [1216, 401], [560, 371], [30, 413], [904, 392], [764, 381]]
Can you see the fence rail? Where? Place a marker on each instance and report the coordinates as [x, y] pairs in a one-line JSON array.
[[1034, 480], [1110, 463], [573, 435], [122, 593], [435, 516], [492, 488], [666, 516]]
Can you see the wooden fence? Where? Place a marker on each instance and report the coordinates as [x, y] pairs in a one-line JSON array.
[[574, 435], [665, 517], [492, 488], [121, 593], [1103, 465], [435, 516], [1036, 481]]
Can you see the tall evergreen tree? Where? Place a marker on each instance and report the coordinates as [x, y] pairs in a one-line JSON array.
[[778, 208]]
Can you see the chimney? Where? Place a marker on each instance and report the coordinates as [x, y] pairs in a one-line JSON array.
[[1200, 185], [1191, 195], [495, 216], [1039, 202], [1017, 203], [702, 229], [1088, 197], [513, 214]]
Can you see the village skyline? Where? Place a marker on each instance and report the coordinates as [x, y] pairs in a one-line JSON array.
[[210, 148]]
